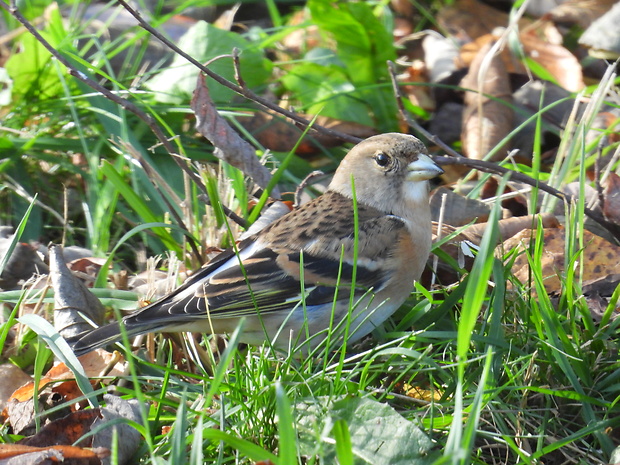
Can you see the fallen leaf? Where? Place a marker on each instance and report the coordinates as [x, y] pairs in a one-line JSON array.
[[29, 455], [469, 19], [561, 64], [459, 245], [96, 363], [581, 12], [611, 198], [21, 265], [599, 257], [486, 120], [458, 210], [229, 146], [12, 378], [72, 299], [66, 430], [128, 439]]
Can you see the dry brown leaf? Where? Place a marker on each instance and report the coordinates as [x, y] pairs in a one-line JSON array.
[[418, 95], [611, 198], [458, 210], [229, 146], [128, 438], [23, 263], [597, 293], [77, 455], [66, 430], [71, 299], [424, 395], [470, 19], [470, 50], [486, 121], [12, 378], [581, 12], [556, 59], [600, 257], [96, 364]]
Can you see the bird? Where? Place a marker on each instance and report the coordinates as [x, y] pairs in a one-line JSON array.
[[310, 272]]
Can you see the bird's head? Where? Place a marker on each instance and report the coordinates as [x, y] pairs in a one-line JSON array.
[[390, 172]]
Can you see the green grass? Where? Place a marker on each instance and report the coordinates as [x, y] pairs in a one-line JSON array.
[[487, 370]]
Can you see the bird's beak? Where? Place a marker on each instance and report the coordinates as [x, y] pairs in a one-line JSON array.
[[423, 169]]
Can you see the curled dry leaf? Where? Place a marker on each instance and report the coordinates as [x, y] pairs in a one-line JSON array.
[[128, 438], [23, 263], [486, 120], [19, 454], [600, 257], [611, 198], [470, 19], [66, 430], [556, 59], [72, 299], [229, 146], [581, 12], [96, 364], [458, 210]]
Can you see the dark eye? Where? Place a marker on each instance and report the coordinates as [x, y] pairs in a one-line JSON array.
[[382, 159]]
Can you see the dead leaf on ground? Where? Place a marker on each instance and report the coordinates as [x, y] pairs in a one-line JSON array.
[[597, 293], [66, 430], [470, 50], [486, 121], [72, 299], [611, 198], [581, 12], [469, 19], [229, 146], [23, 263], [12, 378], [556, 59], [128, 438], [599, 257], [19, 454], [440, 55], [457, 209], [97, 364]]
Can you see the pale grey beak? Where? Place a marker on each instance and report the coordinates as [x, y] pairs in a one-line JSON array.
[[423, 169]]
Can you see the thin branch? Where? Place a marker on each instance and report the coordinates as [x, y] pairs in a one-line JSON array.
[[240, 88], [413, 124]]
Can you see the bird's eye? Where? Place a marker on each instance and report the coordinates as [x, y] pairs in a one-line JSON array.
[[382, 159]]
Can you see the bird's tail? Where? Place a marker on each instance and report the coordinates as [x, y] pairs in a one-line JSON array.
[[104, 336]]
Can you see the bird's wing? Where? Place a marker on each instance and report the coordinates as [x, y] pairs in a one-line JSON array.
[[269, 278]]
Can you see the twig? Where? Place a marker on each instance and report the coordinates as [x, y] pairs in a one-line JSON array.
[[239, 88], [490, 167], [409, 120], [303, 185]]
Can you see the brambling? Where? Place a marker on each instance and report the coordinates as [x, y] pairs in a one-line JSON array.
[[309, 271]]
